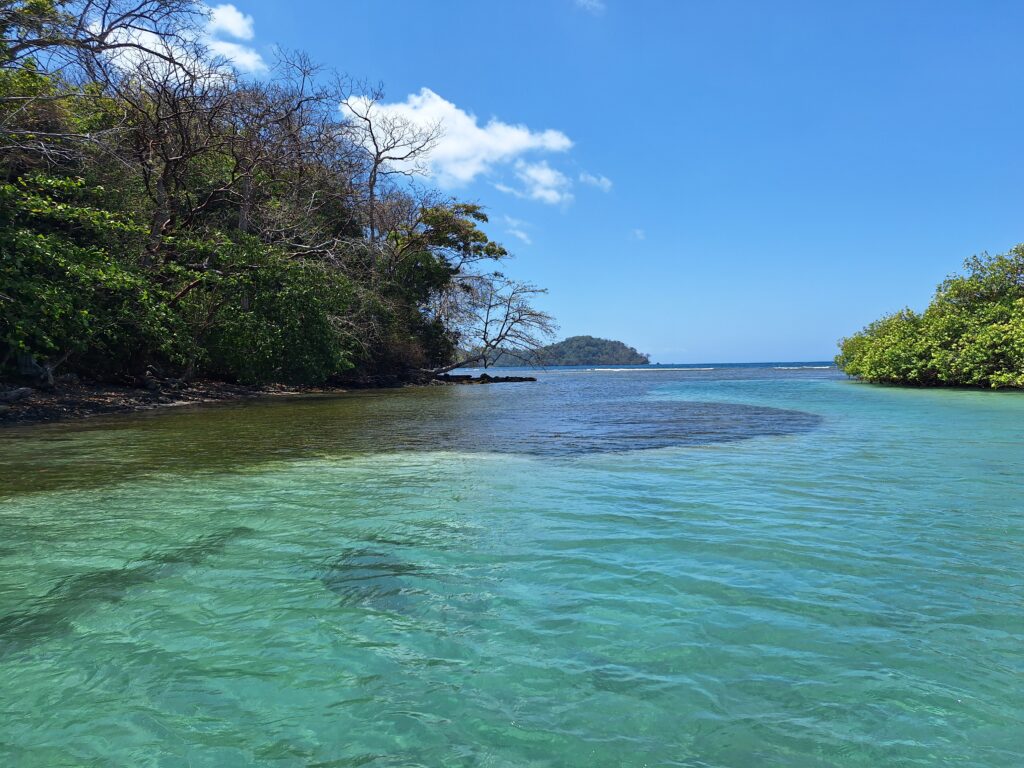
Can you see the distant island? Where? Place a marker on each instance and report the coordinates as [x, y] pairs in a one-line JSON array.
[[578, 350], [589, 350]]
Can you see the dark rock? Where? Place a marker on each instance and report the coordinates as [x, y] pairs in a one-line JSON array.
[[483, 378], [15, 395]]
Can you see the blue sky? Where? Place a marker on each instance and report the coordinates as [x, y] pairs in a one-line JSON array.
[[707, 181]]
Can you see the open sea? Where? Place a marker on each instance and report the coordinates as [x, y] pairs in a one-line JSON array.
[[701, 566]]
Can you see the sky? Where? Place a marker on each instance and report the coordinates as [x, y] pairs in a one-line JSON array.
[[706, 180]]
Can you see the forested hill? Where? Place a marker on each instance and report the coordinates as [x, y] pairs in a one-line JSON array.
[[588, 350]]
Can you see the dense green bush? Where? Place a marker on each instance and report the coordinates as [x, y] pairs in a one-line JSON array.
[[275, 319], [66, 295], [74, 292], [972, 333]]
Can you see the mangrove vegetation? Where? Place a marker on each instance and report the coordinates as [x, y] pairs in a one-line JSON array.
[[971, 334]]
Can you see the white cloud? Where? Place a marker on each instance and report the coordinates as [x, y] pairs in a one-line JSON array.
[[540, 182], [231, 21], [543, 182], [468, 149], [517, 228], [639, 234], [601, 182], [591, 6], [241, 56]]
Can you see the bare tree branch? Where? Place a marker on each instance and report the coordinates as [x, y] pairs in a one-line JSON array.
[[495, 316], [392, 145]]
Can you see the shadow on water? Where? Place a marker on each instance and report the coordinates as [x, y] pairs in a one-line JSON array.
[[375, 579], [557, 416], [53, 613]]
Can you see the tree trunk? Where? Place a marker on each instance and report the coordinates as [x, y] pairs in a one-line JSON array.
[[156, 228], [246, 206], [461, 364]]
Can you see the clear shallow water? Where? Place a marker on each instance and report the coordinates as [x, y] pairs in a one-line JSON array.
[[728, 567]]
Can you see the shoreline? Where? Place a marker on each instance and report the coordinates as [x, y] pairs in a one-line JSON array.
[[76, 401]]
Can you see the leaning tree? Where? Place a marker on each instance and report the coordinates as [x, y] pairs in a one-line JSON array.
[[494, 317]]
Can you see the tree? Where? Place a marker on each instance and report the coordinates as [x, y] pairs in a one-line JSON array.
[[74, 32], [391, 144], [495, 316], [87, 48]]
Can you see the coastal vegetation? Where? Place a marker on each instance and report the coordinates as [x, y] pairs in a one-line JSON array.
[[971, 334], [164, 218]]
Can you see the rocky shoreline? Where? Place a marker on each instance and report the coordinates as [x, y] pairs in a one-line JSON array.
[[81, 400], [72, 400]]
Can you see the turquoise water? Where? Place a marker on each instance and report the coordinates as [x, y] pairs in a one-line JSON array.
[[728, 567]]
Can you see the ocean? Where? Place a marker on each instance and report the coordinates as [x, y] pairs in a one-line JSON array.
[[704, 566]]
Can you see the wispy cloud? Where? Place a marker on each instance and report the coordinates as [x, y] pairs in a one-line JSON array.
[[468, 148], [591, 6], [601, 182], [639, 234], [517, 228], [539, 181]]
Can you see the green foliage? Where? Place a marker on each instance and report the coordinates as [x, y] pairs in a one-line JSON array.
[[63, 291], [74, 287], [273, 320], [453, 229], [972, 333], [891, 349]]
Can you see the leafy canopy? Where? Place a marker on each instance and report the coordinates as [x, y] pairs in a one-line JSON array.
[[972, 333]]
